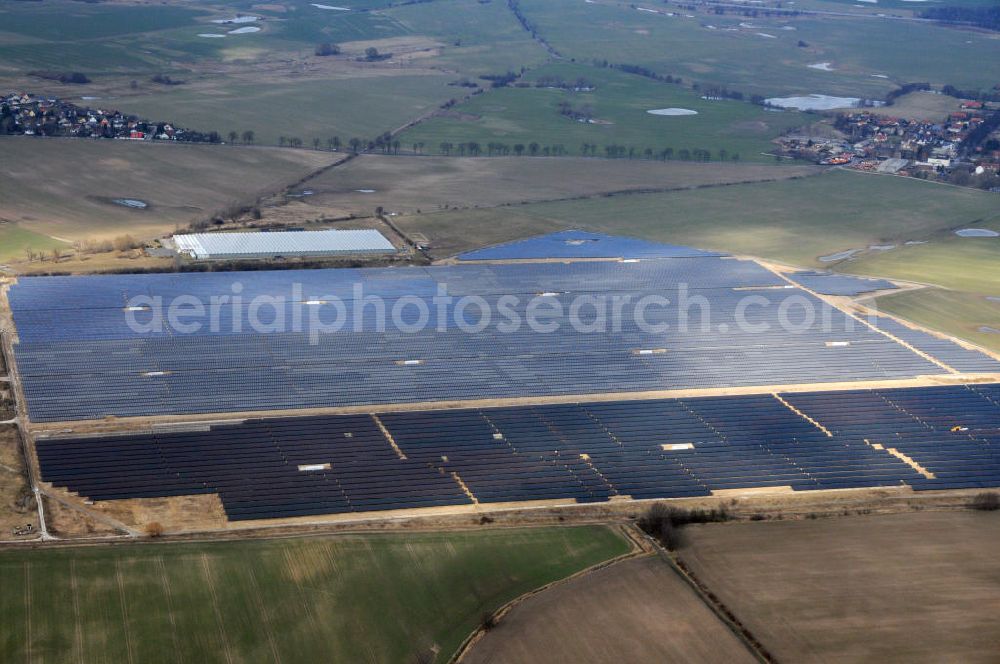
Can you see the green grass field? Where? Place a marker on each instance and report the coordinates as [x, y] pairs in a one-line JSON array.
[[965, 264], [618, 104], [969, 268], [477, 38], [77, 21], [14, 241], [793, 220], [743, 59], [103, 39], [964, 315], [376, 598], [349, 107]]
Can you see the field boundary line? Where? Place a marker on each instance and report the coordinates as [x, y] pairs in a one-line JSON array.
[[714, 604], [262, 607], [307, 607], [78, 631], [27, 610], [637, 549], [165, 582], [207, 570], [121, 597]]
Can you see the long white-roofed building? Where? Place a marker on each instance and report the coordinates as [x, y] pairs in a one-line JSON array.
[[285, 244]]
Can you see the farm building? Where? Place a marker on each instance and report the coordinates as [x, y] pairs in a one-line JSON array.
[[287, 244]]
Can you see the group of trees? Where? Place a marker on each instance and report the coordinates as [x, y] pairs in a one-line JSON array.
[[665, 522], [120, 243], [164, 79], [248, 137], [905, 89], [559, 82], [372, 55], [74, 77], [500, 80], [663, 154], [534, 149], [496, 149], [326, 48], [515, 8], [581, 114], [979, 95], [387, 144], [987, 18], [639, 70]]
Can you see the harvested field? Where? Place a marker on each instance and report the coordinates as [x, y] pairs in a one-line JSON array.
[[408, 184], [69, 190], [637, 610], [920, 587], [353, 598]]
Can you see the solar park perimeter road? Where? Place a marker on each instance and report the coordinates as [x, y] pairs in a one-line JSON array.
[[374, 598]]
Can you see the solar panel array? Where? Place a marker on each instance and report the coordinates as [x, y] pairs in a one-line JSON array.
[[79, 359], [951, 432], [586, 452], [955, 356], [582, 244], [828, 283]]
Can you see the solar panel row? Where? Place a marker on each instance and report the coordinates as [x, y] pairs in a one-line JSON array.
[[737, 324], [827, 283], [582, 244], [585, 452], [962, 359]]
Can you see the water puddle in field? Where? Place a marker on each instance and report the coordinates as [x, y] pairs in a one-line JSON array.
[[133, 203], [822, 66], [243, 31], [814, 102], [365, 191], [988, 330], [672, 111], [211, 35], [334, 8], [839, 256], [236, 19], [976, 232]]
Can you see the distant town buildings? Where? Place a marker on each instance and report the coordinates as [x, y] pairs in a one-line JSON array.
[[29, 115], [967, 140]]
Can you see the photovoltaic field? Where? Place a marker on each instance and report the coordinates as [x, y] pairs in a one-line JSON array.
[[544, 417], [80, 358], [924, 438]]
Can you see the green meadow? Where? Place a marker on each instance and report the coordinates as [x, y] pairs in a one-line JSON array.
[[617, 108], [357, 598]]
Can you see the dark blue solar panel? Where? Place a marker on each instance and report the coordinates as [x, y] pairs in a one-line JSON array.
[[80, 359], [828, 283], [947, 351], [585, 452], [582, 244]]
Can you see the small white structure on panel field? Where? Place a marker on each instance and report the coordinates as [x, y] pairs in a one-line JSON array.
[[283, 244]]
